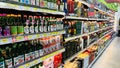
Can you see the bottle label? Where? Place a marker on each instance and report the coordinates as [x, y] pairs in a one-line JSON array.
[[14, 30], [31, 29], [49, 5], [22, 1], [20, 30], [32, 55], [18, 60], [45, 28], [7, 31], [27, 57], [36, 29], [9, 63], [36, 54], [41, 3], [27, 1], [41, 28], [52, 27], [48, 28], [37, 3], [45, 3], [26, 30], [32, 2], [41, 52], [2, 65]]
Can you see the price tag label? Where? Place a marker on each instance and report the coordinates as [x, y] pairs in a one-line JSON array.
[[21, 7], [26, 37], [27, 8], [11, 5], [35, 9], [20, 38], [38, 35], [21, 67], [45, 35], [28, 65], [30, 37], [5, 40]]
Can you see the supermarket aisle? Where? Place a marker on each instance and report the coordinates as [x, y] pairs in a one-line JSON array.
[[111, 57]]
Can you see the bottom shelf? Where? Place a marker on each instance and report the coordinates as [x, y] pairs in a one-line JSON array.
[[100, 54]]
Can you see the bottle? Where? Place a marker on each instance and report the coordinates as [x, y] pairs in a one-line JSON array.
[[58, 4], [15, 54], [13, 24], [45, 21], [36, 48], [41, 52], [20, 48], [31, 25], [32, 2], [2, 63], [26, 1], [7, 54], [31, 49], [7, 26], [49, 4], [27, 51], [2, 24], [26, 24], [41, 28], [36, 24], [37, 2], [20, 27], [49, 24]]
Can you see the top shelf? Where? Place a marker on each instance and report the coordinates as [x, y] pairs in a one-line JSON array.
[[28, 8], [87, 4]]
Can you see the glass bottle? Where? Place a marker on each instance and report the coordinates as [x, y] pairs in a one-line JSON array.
[[20, 28]]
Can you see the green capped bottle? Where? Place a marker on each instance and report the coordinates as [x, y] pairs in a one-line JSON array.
[[20, 27], [13, 24]]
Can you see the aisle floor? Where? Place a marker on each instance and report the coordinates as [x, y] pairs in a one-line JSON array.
[[110, 57]]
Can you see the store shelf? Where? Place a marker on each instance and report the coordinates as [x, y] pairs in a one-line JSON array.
[[85, 48], [24, 37], [100, 53], [40, 59], [85, 3], [28, 8], [78, 36], [82, 18]]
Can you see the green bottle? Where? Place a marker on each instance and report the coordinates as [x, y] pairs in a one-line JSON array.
[[45, 3], [13, 26], [2, 63], [20, 28], [7, 54], [36, 48]]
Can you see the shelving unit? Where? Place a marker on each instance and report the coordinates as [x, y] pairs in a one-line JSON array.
[[47, 39], [86, 48]]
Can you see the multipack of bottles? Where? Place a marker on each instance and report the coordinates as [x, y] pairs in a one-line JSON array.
[[13, 24], [71, 48], [49, 4], [18, 53], [72, 28], [51, 62]]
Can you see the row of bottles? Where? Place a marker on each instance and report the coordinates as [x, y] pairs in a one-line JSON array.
[[72, 28], [71, 48], [50, 4], [13, 24], [84, 59], [17, 53]]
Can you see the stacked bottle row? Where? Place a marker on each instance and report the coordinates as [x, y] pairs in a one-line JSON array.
[[84, 59], [81, 27], [49, 4], [74, 46], [13, 24], [17, 53], [76, 8]]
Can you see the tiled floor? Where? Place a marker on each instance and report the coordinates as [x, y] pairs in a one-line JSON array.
[[111, 57]]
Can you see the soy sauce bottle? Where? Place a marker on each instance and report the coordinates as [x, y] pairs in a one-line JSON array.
[[36, 24], [31, 25]]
